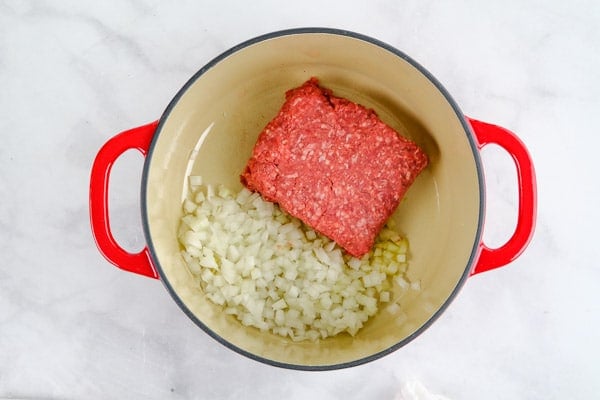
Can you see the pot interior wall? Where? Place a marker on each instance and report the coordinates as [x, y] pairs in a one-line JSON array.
[[210, 129]]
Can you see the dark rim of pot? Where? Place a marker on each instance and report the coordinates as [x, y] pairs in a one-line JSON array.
[[432, 79]]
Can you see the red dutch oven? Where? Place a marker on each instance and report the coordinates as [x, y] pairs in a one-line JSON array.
[[210, 127]]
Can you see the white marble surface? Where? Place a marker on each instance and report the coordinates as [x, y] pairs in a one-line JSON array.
[[74, 73]]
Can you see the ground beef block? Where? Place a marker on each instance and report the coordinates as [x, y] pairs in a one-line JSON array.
[[334, 165]]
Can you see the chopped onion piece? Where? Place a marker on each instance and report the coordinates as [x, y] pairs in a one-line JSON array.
[[276, 274], [384, 296], [195, 180]]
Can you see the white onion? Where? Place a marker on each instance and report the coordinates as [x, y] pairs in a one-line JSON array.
[[274, 273]]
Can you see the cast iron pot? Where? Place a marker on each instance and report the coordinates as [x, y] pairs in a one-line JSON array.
[[209, 129]]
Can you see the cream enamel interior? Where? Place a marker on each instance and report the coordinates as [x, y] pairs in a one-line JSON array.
[[210, 131]]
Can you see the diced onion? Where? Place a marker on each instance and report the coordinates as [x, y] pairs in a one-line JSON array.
[[195, 180], [274, 273]]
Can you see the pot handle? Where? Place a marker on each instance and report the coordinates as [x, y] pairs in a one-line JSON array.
[[137, 138], [493, 258]]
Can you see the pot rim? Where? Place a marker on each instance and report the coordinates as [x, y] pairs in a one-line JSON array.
[[472, 142]]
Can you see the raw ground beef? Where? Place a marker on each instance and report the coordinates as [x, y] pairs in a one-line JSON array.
[[334, 165]]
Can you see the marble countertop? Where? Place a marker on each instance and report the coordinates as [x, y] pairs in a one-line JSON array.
[[75, 73]]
